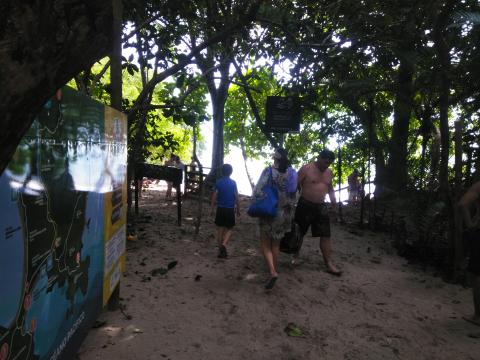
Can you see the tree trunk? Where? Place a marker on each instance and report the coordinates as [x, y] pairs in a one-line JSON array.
[[218, 150], [218, 96], [116, 57], [397, 164], [368, 120], [44, 45], [434, 160], [244, 155], [444, 70]]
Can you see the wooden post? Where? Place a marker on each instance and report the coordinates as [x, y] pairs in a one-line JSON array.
[[340, 214], [116, 56], [201, 194], [362, 199], [116, 102], [136, 193], [458, 236], [179, 204]]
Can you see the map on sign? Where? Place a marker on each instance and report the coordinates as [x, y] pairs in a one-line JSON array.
[[52, 245]]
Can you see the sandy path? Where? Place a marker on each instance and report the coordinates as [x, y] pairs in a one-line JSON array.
[[205, 308]]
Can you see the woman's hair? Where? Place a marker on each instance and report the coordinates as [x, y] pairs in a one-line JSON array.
[[282, 161]]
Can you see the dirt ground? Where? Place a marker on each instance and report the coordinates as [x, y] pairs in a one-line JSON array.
[[208, 308]]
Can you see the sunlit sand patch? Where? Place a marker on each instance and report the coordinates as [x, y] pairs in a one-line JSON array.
[[112, 330], [251, 276]]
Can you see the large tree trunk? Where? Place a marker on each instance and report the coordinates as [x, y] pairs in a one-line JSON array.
[[218, 151], [116, 57], [434, 160], [218, 96], [444, 70], [376, 146], [397, 164], [368, 120], [44, 45]]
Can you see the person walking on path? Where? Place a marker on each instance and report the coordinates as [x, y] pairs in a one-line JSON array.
[[225, 198], [315, 182], [353, 187], [468, 202], [170, 162], [272, 229]]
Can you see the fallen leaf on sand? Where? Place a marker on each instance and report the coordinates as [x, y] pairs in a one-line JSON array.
[[98, 324], [159, 271], [293, 330], [172, 264]]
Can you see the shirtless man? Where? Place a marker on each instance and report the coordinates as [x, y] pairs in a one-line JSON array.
[[315, 182], [471, 200]]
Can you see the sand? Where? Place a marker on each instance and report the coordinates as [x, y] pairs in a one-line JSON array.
[[208, 308]]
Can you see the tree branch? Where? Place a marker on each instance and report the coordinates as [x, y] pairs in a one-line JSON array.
[[253, 105]]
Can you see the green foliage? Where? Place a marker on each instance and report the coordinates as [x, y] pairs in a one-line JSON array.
[[240, 122], [342, 58]]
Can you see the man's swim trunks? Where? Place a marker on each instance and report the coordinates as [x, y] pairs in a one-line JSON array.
[[315, 215]]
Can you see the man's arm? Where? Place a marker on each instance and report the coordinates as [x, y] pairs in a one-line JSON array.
[[331, 194], [301, 177]]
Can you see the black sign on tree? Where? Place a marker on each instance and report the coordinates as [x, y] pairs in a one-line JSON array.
[[283, 114]]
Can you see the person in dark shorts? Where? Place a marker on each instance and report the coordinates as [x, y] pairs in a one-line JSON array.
[[225, 198], [315, 182], [469, 206], [316, 216]]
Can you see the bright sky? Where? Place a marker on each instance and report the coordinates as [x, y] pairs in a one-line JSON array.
[[234, 158]]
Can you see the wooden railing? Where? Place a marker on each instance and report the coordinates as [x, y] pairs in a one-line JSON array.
[[160, 172]]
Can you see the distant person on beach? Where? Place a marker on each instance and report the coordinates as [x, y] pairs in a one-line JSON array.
[[178, 163], [272, 230], [315, 182], [353, 187], [193, 165], [469, 205], [225, 198], [172, 161]]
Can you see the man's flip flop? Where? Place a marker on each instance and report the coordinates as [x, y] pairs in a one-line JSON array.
[[335, 273], [271, 283]]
